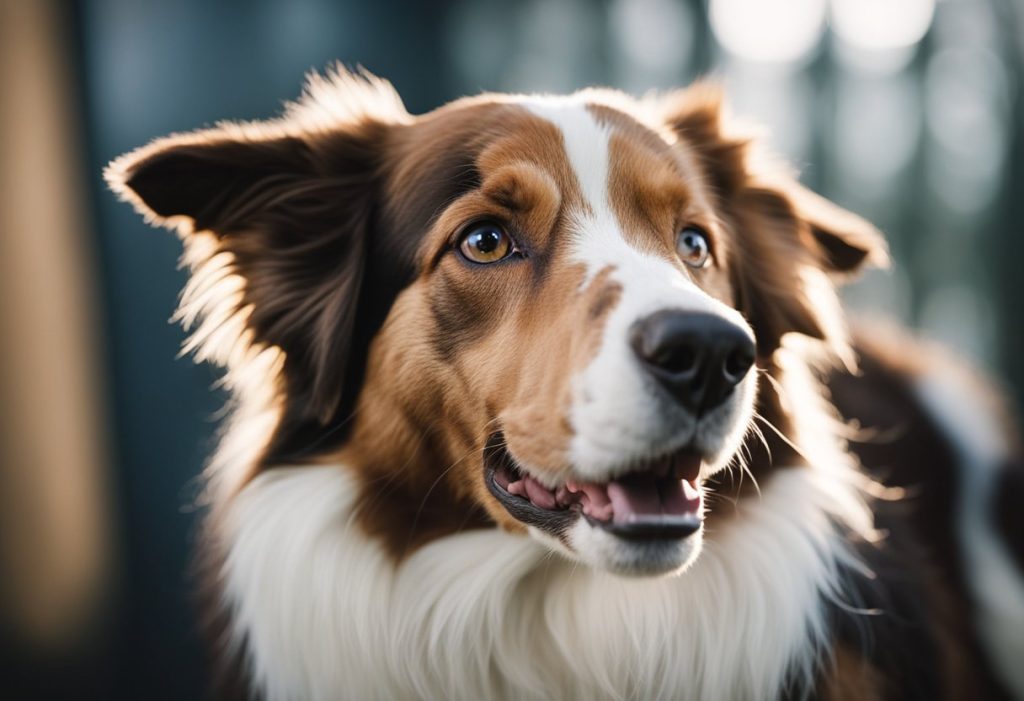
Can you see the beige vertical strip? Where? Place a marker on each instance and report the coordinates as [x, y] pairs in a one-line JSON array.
[[54, 521]]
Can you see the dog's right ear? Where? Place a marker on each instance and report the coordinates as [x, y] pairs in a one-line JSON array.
[[284, 208]]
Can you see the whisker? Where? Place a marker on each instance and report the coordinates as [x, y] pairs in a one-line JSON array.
[[756, 430], [785, 439], [744, 465]]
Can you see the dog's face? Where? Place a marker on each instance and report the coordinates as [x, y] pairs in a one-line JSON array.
[[550, 307], [575, 315]]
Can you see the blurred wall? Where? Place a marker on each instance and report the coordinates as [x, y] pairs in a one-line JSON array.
[[56, 551]]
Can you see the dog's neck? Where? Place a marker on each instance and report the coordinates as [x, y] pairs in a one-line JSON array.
[[321, 609]]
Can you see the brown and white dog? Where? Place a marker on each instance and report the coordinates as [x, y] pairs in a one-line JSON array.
[[530, 403]]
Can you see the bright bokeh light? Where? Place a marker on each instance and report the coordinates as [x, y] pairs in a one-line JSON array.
[[775, 31], [882, 24]]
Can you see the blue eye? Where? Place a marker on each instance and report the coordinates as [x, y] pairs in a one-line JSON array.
[[693, 248], [485, 243]]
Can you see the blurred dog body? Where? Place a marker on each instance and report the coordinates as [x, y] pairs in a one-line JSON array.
[[552, 397]]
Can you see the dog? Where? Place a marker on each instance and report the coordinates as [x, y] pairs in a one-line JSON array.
[[552, 397]]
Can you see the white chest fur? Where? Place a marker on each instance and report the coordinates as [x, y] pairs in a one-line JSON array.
[[324, 614]]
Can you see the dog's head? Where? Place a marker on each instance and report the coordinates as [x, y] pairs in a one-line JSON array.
[[549, 310]]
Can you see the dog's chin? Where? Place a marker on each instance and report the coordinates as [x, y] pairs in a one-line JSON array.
[[604, 551]]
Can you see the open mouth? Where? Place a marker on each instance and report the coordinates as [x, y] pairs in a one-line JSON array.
[[657, 499]]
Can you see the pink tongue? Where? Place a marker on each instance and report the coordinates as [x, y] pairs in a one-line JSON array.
[[640, 495]]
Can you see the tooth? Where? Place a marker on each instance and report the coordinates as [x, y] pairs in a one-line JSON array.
[[517, 488], [690, 490], [572, 486]]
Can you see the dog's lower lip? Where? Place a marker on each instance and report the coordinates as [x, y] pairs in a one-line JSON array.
[[663, 500]]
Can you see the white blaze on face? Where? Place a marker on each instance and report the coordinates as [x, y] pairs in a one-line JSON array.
[[617, 414]]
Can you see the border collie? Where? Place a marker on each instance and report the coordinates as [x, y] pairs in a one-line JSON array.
[[541, 397]]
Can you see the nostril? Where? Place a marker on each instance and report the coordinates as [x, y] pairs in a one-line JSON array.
[[675, 359], [659, 345], [737, 363]]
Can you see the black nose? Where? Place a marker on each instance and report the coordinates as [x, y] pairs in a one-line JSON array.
[[697, 357]]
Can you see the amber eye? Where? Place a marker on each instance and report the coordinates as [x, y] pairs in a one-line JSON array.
[[692, 246], [485, 242]]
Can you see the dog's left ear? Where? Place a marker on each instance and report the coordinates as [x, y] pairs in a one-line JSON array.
[[848, 242], [792, 243], [277, 220]]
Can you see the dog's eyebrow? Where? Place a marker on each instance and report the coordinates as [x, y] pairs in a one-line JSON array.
[[520, 186]]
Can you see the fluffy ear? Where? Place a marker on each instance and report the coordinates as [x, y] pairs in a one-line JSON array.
[[208, 177], [790, 241], [284, 207], [847, 242]]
